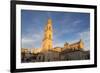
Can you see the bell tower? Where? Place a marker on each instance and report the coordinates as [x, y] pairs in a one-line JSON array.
[[48, 33]]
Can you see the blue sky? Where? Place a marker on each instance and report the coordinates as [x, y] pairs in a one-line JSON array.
[[67, 27]]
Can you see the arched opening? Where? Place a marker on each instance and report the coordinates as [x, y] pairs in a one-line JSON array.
[[49, 36], [49, 28]]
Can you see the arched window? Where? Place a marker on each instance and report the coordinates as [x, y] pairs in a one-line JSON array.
[[49, 28], [49, 36]]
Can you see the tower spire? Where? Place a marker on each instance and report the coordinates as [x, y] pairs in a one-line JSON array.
[[49, 21], [47, 40]]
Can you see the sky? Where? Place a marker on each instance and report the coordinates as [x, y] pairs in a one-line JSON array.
[[67, 27]]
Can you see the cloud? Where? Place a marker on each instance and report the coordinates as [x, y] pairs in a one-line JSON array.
[[32, 40], [68, 26], [27, 42], [76, 22], [58, 44], [86, 39]]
